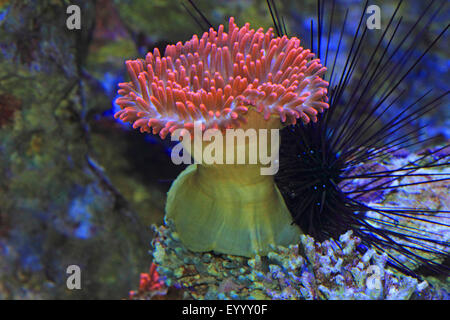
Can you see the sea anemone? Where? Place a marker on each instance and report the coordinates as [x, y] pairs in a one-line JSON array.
[[330, 170], [243, 79]]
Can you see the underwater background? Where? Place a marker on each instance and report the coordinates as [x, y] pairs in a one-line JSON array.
[[78, 187]]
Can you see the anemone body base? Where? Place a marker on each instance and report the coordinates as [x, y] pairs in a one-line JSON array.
[[231, 210]]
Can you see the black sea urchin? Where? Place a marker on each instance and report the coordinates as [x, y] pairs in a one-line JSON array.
[[329, 169]]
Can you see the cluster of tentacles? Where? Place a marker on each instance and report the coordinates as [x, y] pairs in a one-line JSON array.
[[217, 78]]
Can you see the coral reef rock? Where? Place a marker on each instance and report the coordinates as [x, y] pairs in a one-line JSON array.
[[307, 270]]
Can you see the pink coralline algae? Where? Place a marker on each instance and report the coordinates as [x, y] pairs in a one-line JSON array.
[[149, 282], [216, 80]]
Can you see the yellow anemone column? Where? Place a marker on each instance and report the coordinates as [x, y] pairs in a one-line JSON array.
[[231, 208]]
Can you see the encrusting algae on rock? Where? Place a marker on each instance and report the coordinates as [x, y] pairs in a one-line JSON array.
[[433, 199]]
